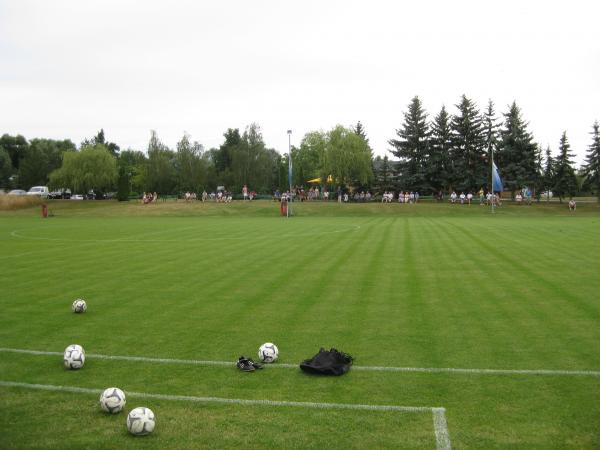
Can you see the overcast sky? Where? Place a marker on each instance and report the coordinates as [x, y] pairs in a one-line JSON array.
[[69, 68]]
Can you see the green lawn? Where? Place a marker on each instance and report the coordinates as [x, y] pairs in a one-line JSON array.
[[418, 286]]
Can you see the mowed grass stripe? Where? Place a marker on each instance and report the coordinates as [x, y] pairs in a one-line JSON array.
[[506, 326], [512, 293], [284, 261], [350, 292], [309, 292], [375, 285], [588, 308], [460, 329]]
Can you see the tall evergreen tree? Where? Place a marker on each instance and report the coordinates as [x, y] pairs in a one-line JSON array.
[[360, 130], [516, 152], [439, 169], [565, 183], [538, 184], [491, 127], [383, 172], [592, 166], [411, 147], [548, 175], [468, 147]]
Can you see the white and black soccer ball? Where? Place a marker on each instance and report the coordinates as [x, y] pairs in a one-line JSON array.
[[74, 357], [79, 306], [268, 352], [141, 421], [112, 400]]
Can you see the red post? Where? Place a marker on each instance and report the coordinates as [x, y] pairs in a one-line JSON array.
[[283, 207], [44, 210]]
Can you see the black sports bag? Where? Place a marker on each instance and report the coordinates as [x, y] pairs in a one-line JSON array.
[[328, 362]]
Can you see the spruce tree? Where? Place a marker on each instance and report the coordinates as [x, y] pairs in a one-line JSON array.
[[490, 126], [548, 175], [439, 171], [360, 130], [592, 166], [538, 183], [411, 147], [468, 147], [565, 183], [516, 152]]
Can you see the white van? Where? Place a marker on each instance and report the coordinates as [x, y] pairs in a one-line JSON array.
[[42, 191]]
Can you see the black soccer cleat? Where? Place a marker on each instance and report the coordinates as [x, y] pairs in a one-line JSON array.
[[256, 365], [245, 364]]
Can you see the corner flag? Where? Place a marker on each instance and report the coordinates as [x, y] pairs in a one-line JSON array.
[[496, 181]]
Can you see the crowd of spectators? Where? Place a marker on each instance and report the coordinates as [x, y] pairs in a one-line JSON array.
[[314, 193]]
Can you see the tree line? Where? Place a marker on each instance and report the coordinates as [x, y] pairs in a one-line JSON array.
[[448, 152], [455, 153]]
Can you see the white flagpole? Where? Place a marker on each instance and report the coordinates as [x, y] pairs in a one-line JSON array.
[[289, 206], [493, 197]]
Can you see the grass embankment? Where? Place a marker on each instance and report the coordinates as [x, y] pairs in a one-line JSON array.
[[265, 208]]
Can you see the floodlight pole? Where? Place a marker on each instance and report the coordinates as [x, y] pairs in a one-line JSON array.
[[289, 132]]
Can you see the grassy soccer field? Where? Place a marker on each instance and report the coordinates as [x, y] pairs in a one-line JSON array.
[[420, 287]]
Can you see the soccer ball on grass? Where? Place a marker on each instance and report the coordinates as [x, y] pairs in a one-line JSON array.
[[79, 306], [140, 421], [112, 400], [74, 357], [268, 352]]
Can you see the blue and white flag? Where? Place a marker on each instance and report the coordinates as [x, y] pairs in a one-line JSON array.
[[496, 181]]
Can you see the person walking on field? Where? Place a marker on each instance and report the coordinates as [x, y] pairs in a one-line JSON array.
[[245, 192]]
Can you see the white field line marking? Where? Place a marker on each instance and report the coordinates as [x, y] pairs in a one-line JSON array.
[[589, 373], [440, 426], [16, 234], [442, 437], [236, 401]]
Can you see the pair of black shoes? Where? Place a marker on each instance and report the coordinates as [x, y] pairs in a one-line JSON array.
[[247, 365]]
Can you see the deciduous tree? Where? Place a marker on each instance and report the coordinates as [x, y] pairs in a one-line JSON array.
[[93, 167]]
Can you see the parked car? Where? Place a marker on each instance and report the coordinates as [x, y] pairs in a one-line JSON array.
[[17, 192], [76, 197], [95, 195], [60, 194], [41, 191]]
